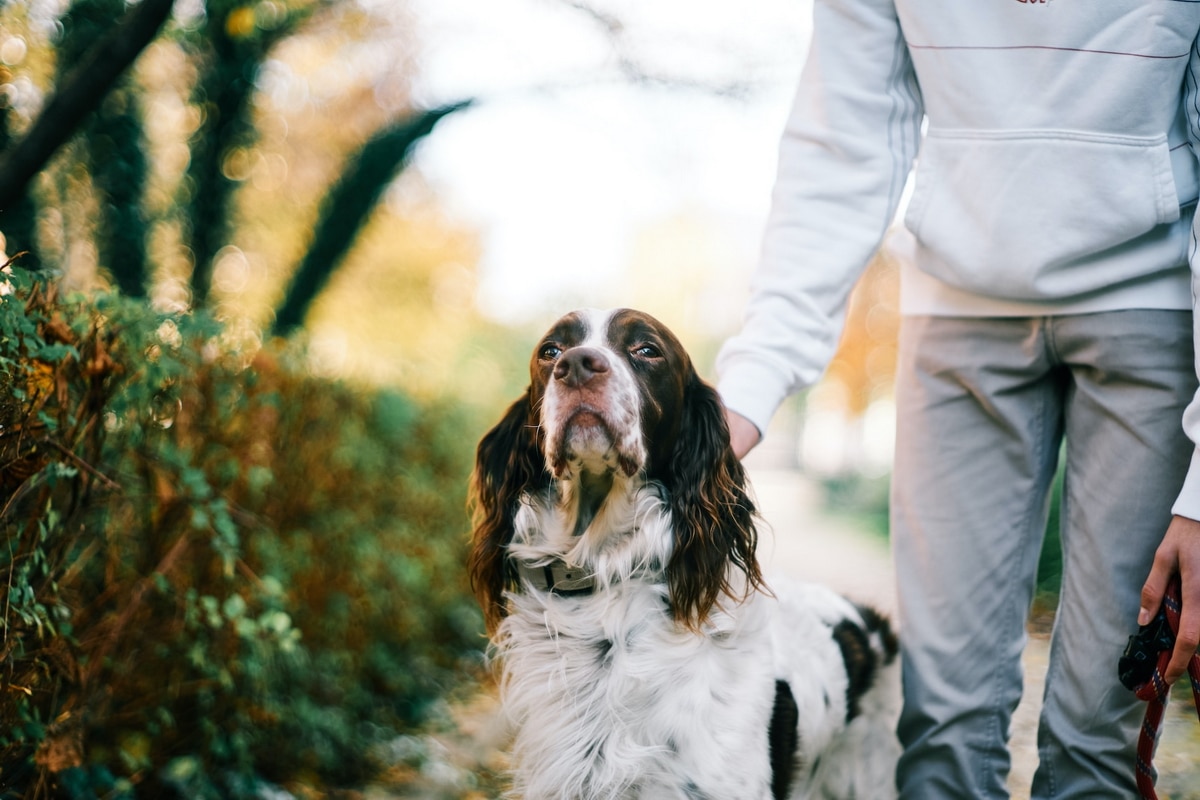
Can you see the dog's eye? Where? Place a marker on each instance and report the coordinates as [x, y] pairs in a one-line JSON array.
[[646, 351], [549, 352]]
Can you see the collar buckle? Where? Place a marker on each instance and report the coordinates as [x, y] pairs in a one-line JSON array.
[[557, 578]]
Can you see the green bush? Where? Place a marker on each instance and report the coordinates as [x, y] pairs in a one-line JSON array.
[[1050, 559], [213, 572]]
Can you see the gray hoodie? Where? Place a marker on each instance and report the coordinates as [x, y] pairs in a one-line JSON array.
[[1055, 174]]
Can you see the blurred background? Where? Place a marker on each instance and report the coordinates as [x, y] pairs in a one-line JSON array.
[[563, 154], [272, 267]]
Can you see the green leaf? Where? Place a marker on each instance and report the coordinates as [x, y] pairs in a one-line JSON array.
[[347, 206]]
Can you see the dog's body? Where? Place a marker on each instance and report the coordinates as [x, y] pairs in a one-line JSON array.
[[643, 656]]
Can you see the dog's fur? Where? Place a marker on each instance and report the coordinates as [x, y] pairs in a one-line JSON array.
[[642, 653]]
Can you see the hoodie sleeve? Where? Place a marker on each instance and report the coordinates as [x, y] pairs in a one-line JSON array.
[[846, 152], [1188, 503]]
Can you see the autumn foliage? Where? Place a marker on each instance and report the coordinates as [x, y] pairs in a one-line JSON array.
[[216, 570]]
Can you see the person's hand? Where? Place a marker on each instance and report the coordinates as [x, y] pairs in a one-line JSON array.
[[1178, 553], [743, 434]]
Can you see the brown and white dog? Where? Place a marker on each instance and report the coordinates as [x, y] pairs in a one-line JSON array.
[[642, 653]]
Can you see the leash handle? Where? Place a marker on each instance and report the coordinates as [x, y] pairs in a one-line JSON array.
[[1158, 635]]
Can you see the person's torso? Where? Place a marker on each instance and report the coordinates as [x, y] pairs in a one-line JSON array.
[[1055, 162]]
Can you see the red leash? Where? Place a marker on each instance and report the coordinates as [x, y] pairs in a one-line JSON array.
[[1156, 693]]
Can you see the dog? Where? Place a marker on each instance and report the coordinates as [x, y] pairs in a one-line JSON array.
[[642, 653]]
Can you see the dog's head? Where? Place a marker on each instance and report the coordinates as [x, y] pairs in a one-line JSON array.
[[615, 393]]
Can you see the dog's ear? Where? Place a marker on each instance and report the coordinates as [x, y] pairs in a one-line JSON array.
[[508, 462], [712, 513]]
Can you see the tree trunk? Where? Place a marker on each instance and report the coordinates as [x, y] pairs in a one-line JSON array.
[[79, 93]]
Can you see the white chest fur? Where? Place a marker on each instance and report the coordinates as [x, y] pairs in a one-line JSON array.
[[612, 698]]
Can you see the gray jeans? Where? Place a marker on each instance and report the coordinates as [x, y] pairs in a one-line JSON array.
[[984, 407]]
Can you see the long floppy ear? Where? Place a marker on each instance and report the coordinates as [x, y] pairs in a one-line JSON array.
[[508, 462], [712, 512]]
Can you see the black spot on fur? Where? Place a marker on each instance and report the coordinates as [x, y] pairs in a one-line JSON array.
[[692, 792], [878, 624], [604, 649], [784, 740], [860, 663], [861, 659]]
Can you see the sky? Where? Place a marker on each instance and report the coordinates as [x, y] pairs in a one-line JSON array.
[[567, 166]]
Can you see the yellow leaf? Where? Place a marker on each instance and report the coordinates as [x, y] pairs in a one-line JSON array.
[[240, 22]]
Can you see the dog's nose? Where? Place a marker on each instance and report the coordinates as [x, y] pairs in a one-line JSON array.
[[579, 366]]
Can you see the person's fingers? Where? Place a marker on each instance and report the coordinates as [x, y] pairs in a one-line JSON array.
[[1179, 554], [1156, 584], [1187, 640]]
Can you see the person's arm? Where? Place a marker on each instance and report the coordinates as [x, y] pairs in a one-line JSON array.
[[1179, 552], [743, 434], [845, 155]]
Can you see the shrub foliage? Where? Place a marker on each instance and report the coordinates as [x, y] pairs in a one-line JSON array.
[[212, 572]]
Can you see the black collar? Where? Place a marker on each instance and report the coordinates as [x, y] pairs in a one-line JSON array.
[[555, 577]]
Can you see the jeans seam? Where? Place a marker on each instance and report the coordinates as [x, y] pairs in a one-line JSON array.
[[1037, 502]]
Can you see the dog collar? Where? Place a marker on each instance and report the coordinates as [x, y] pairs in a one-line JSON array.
[[556, 577]]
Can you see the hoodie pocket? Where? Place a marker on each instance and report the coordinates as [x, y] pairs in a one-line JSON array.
[[1011, 214]]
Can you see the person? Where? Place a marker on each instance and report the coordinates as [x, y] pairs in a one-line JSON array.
[[1047, 308]]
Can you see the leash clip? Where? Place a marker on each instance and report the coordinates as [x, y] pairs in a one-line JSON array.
[[1137, 663]]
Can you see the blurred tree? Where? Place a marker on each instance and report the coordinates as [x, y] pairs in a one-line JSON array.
[[263, 101], [113, 152], [77, 94], [18, 219], [410, 282], [635, 65], [347, 206], [231, 45]]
